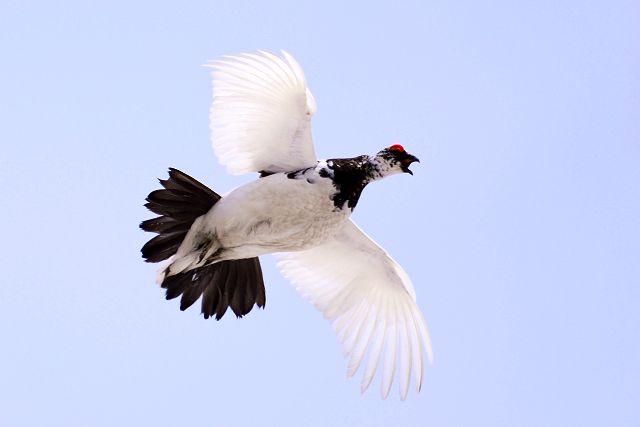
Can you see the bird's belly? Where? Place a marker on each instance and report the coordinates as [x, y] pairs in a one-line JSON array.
[[300, 229], [276, 214]]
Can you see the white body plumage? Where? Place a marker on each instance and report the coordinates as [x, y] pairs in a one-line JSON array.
[[277, 213]]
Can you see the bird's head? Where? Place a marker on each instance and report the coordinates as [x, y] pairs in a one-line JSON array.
[[394, 159]]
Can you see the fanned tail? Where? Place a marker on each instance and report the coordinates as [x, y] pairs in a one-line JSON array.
[[179, 204], [234, 283]]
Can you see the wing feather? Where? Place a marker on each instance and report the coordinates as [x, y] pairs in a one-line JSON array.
[[371, 302], [260, 117], [391, 349], [405, 352], [376, 349], [417, 360], [360, 343]]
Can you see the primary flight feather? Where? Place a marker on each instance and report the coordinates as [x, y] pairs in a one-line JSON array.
[[299, 208]]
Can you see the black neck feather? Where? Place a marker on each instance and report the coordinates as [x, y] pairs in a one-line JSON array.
[[350, 176]]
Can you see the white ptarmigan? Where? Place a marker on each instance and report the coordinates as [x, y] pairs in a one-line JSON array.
[[298, 208]]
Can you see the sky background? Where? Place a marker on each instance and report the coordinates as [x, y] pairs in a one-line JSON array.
[[520, 228]]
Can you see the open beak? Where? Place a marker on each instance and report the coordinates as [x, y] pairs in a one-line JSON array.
[[406, 162]]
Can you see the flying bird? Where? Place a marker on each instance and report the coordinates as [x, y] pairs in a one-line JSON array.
[[298, 208]]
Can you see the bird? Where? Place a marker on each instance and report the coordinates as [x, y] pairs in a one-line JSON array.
[[298, 208]]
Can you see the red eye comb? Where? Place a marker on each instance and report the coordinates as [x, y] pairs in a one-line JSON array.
[[397, 147]]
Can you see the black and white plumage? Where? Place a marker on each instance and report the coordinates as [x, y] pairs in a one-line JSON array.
[[299, 209]]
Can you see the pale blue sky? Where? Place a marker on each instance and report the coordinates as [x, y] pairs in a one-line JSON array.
[[520, 228]]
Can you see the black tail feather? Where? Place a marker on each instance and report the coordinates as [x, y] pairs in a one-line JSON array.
[[164, 224], [162, 246], [235, 283], [180, 203]]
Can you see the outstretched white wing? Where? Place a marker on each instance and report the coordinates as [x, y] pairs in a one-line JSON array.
[[371, 302], [260, 118]]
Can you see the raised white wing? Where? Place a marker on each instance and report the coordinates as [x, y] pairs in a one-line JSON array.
[[371, 302], [260, 118]]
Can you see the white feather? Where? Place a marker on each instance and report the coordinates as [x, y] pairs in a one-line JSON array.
[[361, 343], [376, 348], [354, 282], [405, 352], [390, 353], [261, 113]]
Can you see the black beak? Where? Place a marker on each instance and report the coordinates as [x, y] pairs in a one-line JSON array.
[[406, 162]]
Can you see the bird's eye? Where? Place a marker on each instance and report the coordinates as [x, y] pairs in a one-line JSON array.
[[397, 147]]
